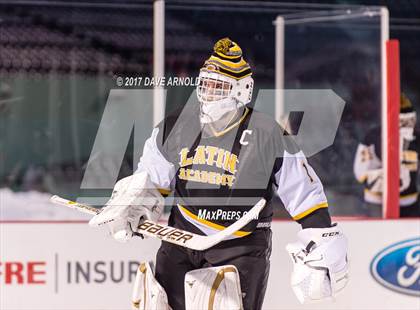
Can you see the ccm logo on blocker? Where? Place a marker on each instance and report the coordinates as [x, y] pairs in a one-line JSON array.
[[397, 267]]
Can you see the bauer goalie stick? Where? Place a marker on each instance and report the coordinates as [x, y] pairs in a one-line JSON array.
[[171, 234]]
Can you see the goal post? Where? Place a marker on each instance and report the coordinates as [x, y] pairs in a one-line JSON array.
[[279, 74], [158, 59], [391, 141], [335, 47], [388, 93]]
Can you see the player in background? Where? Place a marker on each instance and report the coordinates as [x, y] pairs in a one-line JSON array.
[[218, 158], [368, 165]]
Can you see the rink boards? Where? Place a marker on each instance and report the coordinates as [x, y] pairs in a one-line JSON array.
[[46, 265]]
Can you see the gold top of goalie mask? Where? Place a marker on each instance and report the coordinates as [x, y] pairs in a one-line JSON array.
[[227, 60], [405, 104]]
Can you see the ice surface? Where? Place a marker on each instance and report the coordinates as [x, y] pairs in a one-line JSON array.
[[33, 205]]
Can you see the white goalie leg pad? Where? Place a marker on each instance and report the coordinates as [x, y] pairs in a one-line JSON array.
[[148, 294], [320, 266], [214, 288]]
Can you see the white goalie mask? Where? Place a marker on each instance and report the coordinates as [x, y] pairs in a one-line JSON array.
[[219, 94]]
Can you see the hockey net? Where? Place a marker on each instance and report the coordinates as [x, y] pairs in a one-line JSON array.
[[302, 56]]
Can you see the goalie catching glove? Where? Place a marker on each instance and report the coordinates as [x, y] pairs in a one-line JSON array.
[[320, 267], [134, 199]]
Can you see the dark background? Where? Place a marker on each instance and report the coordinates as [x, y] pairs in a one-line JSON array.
[[59, 60]]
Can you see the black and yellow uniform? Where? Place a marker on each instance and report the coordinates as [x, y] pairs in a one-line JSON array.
[[368, 160], [215, 179]]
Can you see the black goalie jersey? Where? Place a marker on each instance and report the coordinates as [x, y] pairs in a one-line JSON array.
[[217, 178]]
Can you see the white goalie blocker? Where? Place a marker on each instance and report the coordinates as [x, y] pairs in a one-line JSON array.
[[213, 288], [320, 266]]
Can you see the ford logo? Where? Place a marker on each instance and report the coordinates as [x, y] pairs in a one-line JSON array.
[[397, 267]]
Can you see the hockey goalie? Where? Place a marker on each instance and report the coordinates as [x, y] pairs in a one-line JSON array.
[[218, 158]]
